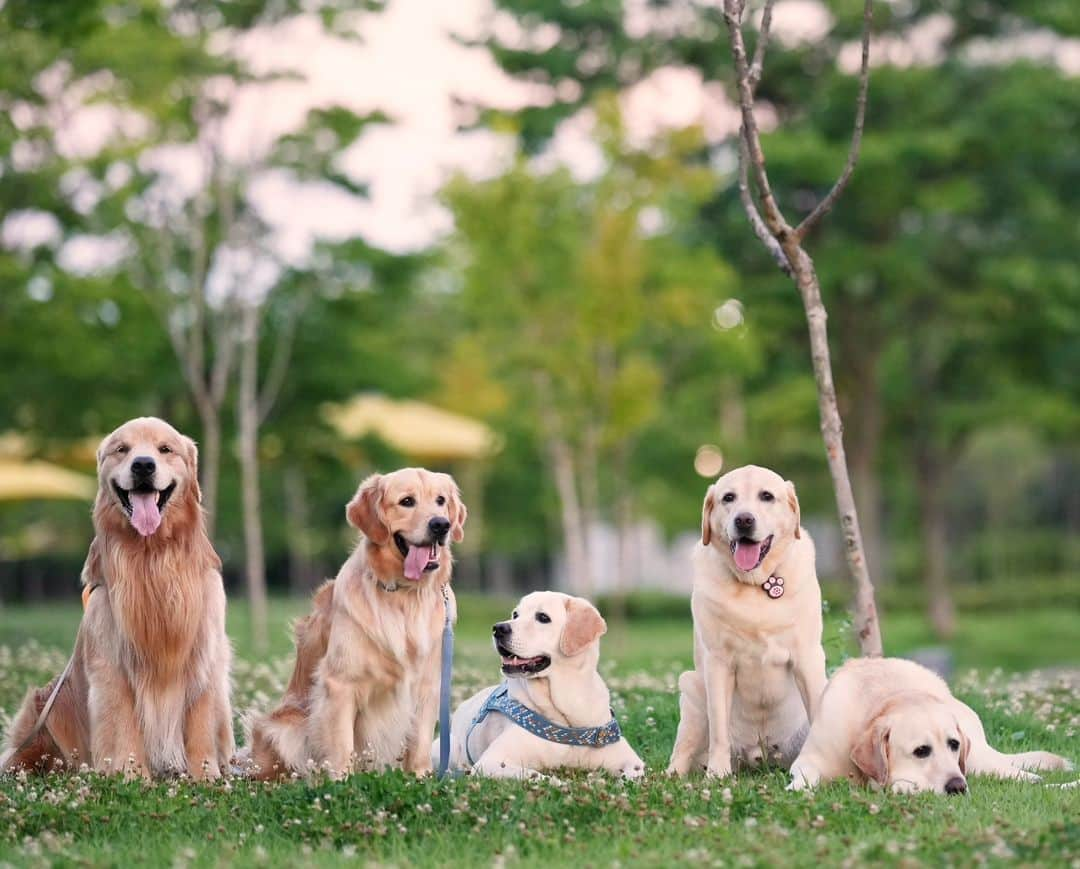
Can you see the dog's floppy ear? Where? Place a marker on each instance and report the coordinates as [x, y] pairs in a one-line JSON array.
[[871, 752], [363, 511], [458, 513], [191, 454], [584, 626], [965, 750], [793, 503], [706, 515]]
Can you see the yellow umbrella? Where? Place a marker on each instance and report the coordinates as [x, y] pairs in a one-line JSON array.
[[413, 428], [28, 480]]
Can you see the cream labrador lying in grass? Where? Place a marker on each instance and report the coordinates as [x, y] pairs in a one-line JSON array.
[[895, 723], [549, 649], [759, 668]]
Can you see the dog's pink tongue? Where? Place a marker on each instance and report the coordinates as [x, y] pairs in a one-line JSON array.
[[747, 554], [416, 561], [145, 516]]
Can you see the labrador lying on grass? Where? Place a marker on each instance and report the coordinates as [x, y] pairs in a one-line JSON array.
[[895, 723], [364, 693], [759, 668], [147, 691], [553, 710]]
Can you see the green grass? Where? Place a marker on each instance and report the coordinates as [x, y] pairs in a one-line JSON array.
[[585, 820]]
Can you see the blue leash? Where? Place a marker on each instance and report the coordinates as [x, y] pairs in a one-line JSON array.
[[444, 688]]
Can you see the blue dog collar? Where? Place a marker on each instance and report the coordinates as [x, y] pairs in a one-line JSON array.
[[500, 701]]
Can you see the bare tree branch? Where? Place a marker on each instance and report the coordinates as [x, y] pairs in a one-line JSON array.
[[762, 46], [774, 232], [823, 207], [774, 218], [223, 358], [756, 222], [279, 363]]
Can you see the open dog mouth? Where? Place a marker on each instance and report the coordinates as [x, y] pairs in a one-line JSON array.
[[749, 553], [143, 505], [512, 665], [419, 559]]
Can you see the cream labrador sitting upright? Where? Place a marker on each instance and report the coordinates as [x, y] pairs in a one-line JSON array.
[[759, 668], [549, 649], [895, 723]]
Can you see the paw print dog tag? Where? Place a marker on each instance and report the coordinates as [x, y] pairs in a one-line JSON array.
[[774, 587]]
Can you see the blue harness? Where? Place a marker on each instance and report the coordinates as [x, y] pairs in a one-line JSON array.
[[500, 701]]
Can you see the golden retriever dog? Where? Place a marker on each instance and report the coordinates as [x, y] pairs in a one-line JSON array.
[[549, 648], [759, 668], [148, 686], [896, 724], [365, 689]]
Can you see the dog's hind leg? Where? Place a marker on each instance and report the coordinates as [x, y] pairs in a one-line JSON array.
[[1039, 760], [69, 723], [692, 737], [40, 749], [985, 759]]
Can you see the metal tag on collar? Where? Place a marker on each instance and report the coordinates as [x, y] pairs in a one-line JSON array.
[[774, 587]]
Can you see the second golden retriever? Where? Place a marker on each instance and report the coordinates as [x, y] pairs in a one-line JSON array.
[[759, 668], [365, 689], [148, 687]]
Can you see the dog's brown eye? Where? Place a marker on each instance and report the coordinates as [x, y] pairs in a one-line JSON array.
[[408, 501], [543, 618], [728, 497], [123, 448], [164, 448], [440, 500], [954, 744], [515, 615], [923, 751], [767, 496]]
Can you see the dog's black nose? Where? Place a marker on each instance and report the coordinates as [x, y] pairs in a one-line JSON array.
[[500, 630], [143, 466], [439, 526], [744, 522], [956, 785]]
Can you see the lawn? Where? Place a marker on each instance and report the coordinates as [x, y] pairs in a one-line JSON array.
[[584, 820]]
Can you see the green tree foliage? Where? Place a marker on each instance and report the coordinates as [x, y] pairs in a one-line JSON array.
[[587, 309], [946, 267]]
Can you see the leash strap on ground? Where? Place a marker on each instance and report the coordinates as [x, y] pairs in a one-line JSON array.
[[444, 688]]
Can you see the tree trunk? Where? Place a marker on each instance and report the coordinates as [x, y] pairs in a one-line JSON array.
[[571, 517], [301, 570], [210, 463], [248, 418], [866, 425], [867, 627], [573, 523], [934, 522]]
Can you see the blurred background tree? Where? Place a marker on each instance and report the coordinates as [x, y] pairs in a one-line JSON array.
[[606, 323]]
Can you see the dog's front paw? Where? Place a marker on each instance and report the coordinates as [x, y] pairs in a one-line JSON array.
[[633, 770], [718, 769], [803, 778], [678, 766]]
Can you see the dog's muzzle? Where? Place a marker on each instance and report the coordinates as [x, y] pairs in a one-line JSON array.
[[143, 503]]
